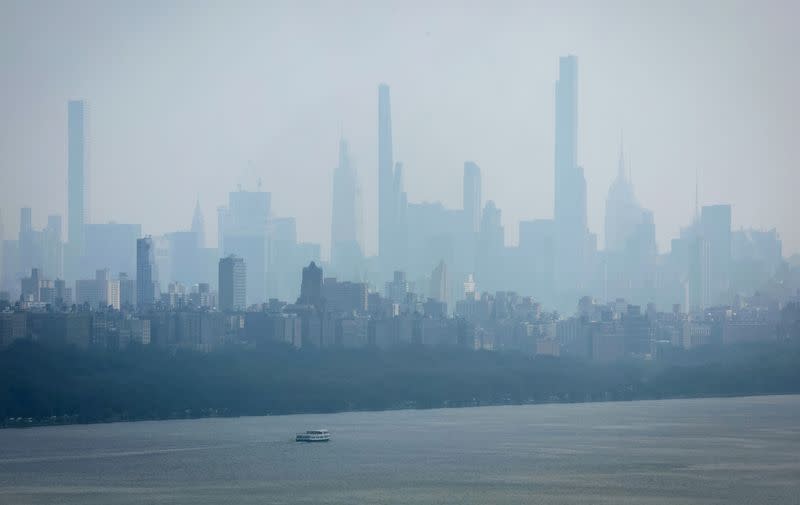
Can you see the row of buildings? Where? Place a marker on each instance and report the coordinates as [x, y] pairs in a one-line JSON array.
[[331, 313]]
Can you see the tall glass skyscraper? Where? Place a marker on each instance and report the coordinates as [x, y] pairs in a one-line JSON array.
[[572, 237], [386, 197], [146, 272], [76, 146]]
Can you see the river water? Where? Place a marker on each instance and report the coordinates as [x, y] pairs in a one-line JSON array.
[[732, 451]]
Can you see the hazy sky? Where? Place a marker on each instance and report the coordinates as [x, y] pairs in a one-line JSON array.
[[191, 99]]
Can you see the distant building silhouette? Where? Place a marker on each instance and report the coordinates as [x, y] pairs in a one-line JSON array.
[[199, 225], [715, 221], [392, 199], [472, 196], [439, 289], [311, 286], [385, 176], [232, 284], [346, 251], [244, 234], [572, 240], [76, 182], [146, 273]]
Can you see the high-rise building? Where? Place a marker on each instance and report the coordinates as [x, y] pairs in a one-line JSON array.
[[52, 248], [439, 287], [146, 273], [346, 255], [245, 224], [29, 251], [102, 291], [111, 246], [570, 185], [127, 290], [232, 284], [490, 248], [472, 196], [2, 250], [386, 197], [311, 286], [623, 213], [715, 222], [344, 297], [76, 183], [184, 257], [537, 245], [199, 226], [398, 288]]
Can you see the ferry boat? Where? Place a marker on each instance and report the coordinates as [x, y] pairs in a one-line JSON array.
[[313, 436]]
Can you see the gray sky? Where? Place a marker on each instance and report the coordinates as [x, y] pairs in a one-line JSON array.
[[191, 99]]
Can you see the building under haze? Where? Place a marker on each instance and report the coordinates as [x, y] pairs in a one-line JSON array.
[[244, 224], [232, 284], [76, 183], [311, 286], [472, 196], [146, 273], [572, 237], [391, 194], [346, 249]]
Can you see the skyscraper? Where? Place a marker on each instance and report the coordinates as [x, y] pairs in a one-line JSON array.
[[2, 250], [29, 242], [472, 195], [715, 222], [52, 248], [439, 289], [570, 185], [385, 175], [232, 284], [245, 223], [146, 272], [623, 212], [199, 226], [76, 146], [345, 216], [311, 286]]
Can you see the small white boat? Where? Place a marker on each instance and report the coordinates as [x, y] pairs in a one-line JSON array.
[[313, 436]]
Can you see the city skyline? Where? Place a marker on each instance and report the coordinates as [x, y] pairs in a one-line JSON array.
[[431, 163]]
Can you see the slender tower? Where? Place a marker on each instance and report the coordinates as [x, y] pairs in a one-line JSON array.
[[76, 187], [386, 198], [75, 173], [198, 225], [345, 215], [570, 184]]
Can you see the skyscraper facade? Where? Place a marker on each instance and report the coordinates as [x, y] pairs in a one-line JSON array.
[[472, 196], [439, 288], [623, 213], [570, 185], [346, 252], [146, 272], [311, 286], [232, 284], [199, 226], [715, 222], [386, 197], [52, 248], [245, 225], [76, 183]]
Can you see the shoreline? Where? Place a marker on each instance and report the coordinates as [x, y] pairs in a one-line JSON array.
[[24, 424]]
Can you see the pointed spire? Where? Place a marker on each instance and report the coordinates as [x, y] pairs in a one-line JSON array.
[[697, 194], [621, 166]]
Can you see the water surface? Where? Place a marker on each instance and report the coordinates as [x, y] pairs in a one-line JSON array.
[[732, 451]]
